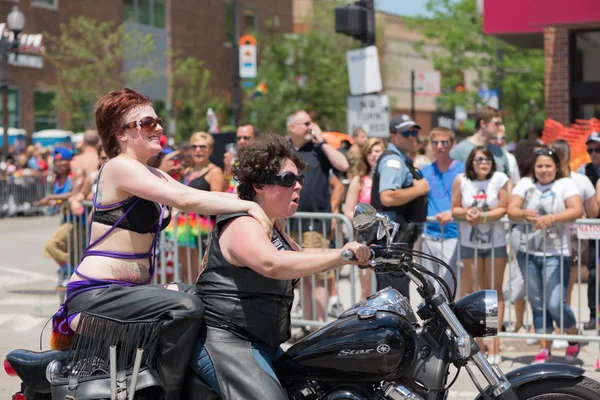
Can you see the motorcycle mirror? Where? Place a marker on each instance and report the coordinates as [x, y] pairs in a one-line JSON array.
[[364, 216]]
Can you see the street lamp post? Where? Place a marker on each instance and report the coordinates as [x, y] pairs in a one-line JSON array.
[[15, 21]]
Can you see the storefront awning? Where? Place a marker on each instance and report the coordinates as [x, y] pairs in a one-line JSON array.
[[521, 22]]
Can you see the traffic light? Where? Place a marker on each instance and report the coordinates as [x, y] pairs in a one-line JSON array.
[[357, 20]]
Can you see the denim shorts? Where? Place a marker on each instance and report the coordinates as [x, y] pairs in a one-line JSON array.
[[469, 252]]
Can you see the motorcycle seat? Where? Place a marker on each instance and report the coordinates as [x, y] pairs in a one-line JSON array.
[[31, 366]]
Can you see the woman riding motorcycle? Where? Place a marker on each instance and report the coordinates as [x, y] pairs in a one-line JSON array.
[[247, 284], [129, 212]]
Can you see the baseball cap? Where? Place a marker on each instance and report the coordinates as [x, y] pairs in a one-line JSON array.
[[167, 150], [594, 137], [62, 153], [402, 123]]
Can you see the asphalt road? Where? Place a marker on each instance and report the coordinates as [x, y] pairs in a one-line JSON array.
[[28, 299]]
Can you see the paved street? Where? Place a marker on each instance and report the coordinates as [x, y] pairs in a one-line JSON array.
[[28, 299]]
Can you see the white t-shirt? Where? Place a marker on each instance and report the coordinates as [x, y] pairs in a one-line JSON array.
[[514, 168], [583, 183], [546, 199], [484, 196]]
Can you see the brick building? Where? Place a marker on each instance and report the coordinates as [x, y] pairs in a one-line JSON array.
[[200, 28], [569, 33]]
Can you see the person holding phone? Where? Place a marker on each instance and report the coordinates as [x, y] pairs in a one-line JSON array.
[[245, 134]]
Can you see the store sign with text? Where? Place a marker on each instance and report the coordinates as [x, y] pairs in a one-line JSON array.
[[30, 49]]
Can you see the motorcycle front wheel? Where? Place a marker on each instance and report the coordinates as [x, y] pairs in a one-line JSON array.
[[564, 389]]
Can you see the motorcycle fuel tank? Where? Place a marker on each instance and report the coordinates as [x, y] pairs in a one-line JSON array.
[[366, 343]]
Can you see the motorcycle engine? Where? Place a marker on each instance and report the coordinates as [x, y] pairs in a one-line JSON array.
[[315, 391]]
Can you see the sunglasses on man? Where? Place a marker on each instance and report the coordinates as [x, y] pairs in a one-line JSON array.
[[243, 138], [592, 151], [146, 123], [406, 134]]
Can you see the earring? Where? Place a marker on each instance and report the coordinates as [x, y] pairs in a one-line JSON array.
[[123, 138]]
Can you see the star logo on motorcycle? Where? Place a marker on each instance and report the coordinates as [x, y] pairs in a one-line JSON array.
[[383, 348]]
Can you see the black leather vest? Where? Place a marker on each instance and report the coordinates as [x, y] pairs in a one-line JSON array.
[[413, 211], [590, 172], [242, 301]]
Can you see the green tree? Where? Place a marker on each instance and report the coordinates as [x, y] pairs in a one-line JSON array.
[[88, 57], [192, 96], [456, 26], [303, 72]]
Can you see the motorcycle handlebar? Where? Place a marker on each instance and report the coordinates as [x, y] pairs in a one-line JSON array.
[[348, 255]]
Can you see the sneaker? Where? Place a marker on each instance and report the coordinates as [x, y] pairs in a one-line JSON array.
[[494, 359], [542, 357], [531, 341], [572, 352], [559, 344], [597, 366], [590, 325]]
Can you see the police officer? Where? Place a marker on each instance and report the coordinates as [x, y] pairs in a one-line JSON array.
[[400, 192]]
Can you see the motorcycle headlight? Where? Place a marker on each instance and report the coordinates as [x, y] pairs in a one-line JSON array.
[[478, 312]]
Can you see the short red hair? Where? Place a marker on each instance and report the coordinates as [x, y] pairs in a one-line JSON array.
[[110, 111]]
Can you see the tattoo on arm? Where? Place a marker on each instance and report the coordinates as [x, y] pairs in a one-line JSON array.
[[99, 192], [130, 272]]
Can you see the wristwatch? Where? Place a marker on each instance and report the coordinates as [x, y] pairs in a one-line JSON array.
[[321, 143]]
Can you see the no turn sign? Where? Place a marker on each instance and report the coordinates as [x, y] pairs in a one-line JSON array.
[[370, 112]]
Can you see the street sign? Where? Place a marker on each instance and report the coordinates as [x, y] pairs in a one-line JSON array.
[[369, 112], [248, 59], [427, 83], [489, 96], [363, 71]]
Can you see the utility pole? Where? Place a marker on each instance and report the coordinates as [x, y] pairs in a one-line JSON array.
[[235, 90]]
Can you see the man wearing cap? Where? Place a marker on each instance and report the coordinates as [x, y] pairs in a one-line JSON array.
[[400, 192], [488, 121], [592, 171]]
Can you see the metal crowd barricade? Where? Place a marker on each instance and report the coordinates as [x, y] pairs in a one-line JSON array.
[[19, 195], [587, 229]]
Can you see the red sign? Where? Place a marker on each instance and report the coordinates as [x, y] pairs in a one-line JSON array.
[[531, 16]]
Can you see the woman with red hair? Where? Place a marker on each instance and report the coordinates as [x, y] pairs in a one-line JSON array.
[[129, 212]]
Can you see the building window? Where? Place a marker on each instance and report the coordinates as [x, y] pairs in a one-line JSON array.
[[145, 12], [14, 119], [250, 21], [45, 111], [587, 56], [49, 3]]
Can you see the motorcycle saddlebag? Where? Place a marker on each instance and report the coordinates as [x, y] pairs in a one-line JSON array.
[[98, 386]]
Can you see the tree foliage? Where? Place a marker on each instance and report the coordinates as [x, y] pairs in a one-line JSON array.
[[191, 81], [88, 57], [456, 26], [303, 72]]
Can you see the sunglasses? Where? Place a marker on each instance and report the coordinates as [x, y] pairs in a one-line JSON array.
[[592, 151], [545, 152], [444, 143], [307, 123], [500, 138], [147, 123], [199, 146], [286, 179], [243, 138], [479, 160], [498, 123], [413, 132]]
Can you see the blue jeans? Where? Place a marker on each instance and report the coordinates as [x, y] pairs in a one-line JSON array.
[[202, 364], [537, 276]]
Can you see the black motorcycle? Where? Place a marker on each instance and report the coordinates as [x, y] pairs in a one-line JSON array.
[[376, 350]]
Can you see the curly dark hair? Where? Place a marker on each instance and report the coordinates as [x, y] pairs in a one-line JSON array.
[[260, 160], [470, 170]]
